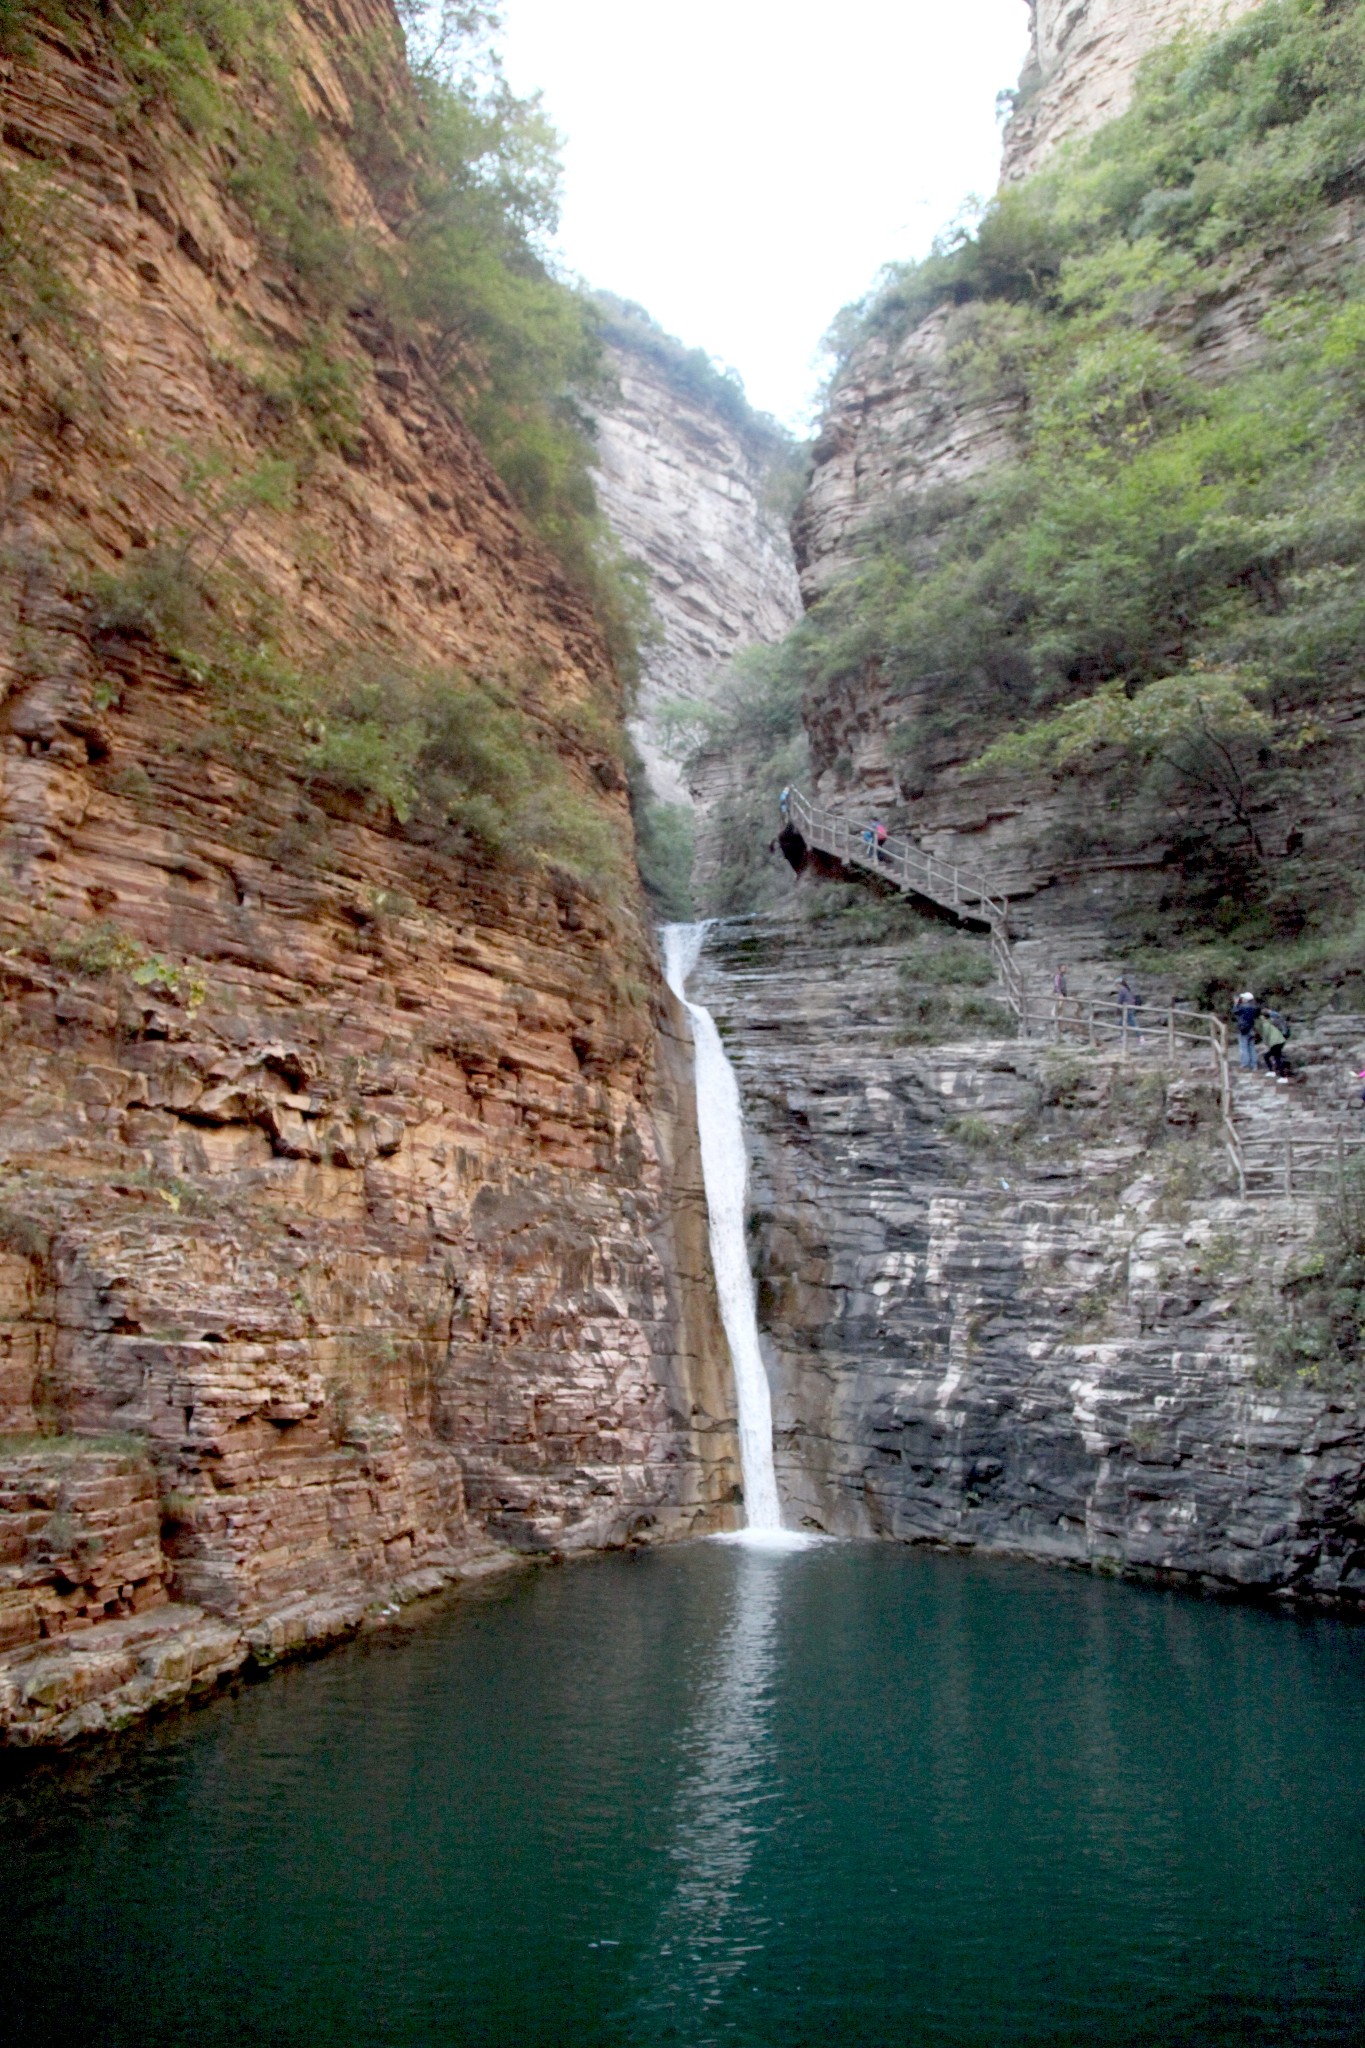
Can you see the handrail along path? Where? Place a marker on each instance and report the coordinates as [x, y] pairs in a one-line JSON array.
[[1298, 1166]]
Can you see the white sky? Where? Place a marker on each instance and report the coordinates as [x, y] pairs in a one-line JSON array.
[[743, 168]]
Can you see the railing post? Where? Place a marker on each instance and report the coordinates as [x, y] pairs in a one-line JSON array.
[[1170, 1032]]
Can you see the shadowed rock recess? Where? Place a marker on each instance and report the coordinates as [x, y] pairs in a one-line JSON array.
[[349, 1194]]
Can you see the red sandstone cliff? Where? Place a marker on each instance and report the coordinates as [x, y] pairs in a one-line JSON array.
[[348, 1188]]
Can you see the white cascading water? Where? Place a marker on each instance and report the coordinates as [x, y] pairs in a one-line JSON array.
[[725, 1170]]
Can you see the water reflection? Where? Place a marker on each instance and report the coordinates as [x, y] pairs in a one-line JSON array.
[[718, 1795], [709, 1926]]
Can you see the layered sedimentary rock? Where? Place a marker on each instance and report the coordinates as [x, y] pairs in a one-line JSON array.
[[898, 424], [351, 1214], [1083, 58], [688, 488], [1008, 1296]]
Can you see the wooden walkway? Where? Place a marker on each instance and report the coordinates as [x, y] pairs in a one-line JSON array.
[[1284, 1152]]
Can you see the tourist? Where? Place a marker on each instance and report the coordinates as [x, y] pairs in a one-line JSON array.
[[784, 803], [882, 836], [1062, 1005], [1129, 1002], [1273, 1039], [1245, 1012]]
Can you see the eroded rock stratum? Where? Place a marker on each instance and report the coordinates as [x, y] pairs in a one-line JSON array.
[[692, 488], [1082, 61], [351, 1215]]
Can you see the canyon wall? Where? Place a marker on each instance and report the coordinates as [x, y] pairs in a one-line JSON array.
[[915, 433], [692, 487], [1009, 1297], [1083, 58], [351, 1215]]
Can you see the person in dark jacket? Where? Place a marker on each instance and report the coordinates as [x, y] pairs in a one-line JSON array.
[[1129, 1002], [1245, 1012]]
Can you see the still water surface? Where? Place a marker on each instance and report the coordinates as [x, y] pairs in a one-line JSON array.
[[853, 1795]]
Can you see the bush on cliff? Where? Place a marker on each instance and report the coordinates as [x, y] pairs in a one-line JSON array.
[[450, 759], [746, 744], [1163, 524]]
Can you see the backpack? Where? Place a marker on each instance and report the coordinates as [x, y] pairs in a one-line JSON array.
[[1281, 1023]]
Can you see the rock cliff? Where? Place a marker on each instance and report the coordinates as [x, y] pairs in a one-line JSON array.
[[1082, 61], [898, 425], [900, 422], [942, 410], [1007, 1293], [349, 1198], [692, 484]]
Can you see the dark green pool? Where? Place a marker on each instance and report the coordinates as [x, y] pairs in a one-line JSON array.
[[854, 1795]]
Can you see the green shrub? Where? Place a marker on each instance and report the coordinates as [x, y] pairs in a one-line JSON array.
[[461, 761], [975, 1132], [467, 176], [34, 288], [21, 1234], [937, 1016], [322, 385], [104, 947], [100, 948], [945, 959], [752, 735]]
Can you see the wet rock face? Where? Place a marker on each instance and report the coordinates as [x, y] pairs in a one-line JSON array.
[[685, 489], [348, 1181], [1083, 59], [1005, 1292]]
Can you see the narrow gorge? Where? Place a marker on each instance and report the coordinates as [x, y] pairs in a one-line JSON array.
[[693, 1097], [353, 1221]]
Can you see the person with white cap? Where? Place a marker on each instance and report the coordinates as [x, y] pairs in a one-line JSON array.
[[1246, 1012]]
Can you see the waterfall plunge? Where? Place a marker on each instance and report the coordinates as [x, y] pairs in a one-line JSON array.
[[720, 1121]]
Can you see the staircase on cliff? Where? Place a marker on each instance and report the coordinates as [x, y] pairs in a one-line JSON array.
[[1281, 1140]]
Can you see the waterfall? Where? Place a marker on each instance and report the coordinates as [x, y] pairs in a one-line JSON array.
[[725, 1171]]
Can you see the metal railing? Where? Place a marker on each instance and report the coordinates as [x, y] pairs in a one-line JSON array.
[[1265, 1167], [917, 873], [1292, 1163], [1156, 1026], [900, 861]]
